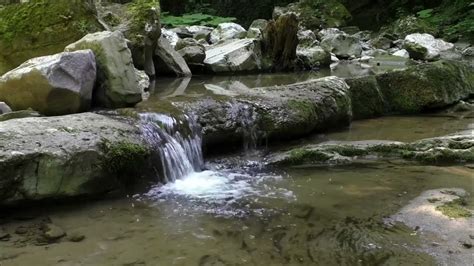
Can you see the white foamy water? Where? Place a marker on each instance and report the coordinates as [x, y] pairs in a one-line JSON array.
[[220, 192]]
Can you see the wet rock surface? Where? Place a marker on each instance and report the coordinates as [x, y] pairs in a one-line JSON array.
[[455, 149], [59, 157]]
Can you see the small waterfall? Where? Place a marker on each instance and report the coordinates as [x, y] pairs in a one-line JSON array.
[[245, 116], [177, 142]]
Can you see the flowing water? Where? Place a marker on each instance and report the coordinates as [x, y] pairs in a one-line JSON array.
[[219, 214]]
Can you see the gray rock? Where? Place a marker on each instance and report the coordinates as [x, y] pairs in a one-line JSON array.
[[227, 31], [329, 32], [363, 35], [469, 51], [193, 55], [311, 57], [257, 28], [171, 36], [75, 237], [342, 45], [169, 61], [234, 56], [402, 53], [53, 85], [53, 232], [117, 84], [60, 157], [4, 108], [307, 38], [433, 46], [200, 32], [143, 80]]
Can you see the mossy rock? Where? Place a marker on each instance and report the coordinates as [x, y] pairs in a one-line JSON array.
[[426, 86], [416, 51], [367, 99], [455, 209], [123, 160], [41, 28]]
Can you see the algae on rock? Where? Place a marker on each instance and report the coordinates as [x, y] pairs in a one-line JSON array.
[[40, 28]]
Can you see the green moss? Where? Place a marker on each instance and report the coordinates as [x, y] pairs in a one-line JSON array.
[[303, 109], [315, 14], [455, 209], [416, 51], [124, 160], [42, 27], [138, 12], [348, 150], [301, 156]]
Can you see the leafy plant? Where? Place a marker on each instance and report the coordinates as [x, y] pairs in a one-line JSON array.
[[426, 13], [194, 19]]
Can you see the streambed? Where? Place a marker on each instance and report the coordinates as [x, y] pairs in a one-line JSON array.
[[248, 214]]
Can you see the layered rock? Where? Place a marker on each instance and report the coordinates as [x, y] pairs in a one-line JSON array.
[[117, 84], [53, 85], [65, 156], [243, 55]]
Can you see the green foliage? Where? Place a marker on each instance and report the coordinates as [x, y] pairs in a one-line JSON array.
[[426, 13], [194, 19], [123, 159]]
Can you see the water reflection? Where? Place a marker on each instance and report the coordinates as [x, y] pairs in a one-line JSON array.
[[231, 85]]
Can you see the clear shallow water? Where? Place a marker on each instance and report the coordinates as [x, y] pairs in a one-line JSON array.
[[322, 217], [198, 86]]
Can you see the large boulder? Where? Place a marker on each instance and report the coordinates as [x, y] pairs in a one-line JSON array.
[[235, 56], [53, 85], [117, 84], [433, 46], [367, 99], [66, 156], [227, 31], [426, 86], [36, 29], [342, 45], [171, 36], [169, 61], [273, 113]]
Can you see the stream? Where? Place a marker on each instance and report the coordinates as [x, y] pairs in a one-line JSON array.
[[211, 213]]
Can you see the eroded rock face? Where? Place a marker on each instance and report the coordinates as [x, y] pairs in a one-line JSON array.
[[342, 45], [235, 56], [433, 46], [227, 31], [117, 84], [168, 61], [53, 85], [60, 157]]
